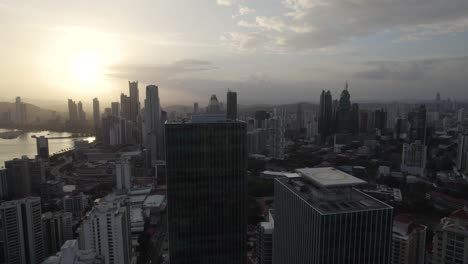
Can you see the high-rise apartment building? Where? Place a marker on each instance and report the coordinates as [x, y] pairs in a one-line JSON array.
[[408, 241], [24, 177], [462, 153], [125, 106], [57, 228], [106, 230], [414, 158], [21, 234], [326, 115], [115, 106], [206, 188], [72, 111], [81, 112], [450, 241], [195, 108], [264, 247], [75, 203], [321, 218], [20, 112], [96, 114], [213, 105], [152, 122], [231, 112], [134, 101], [42, 145], [3, 184]]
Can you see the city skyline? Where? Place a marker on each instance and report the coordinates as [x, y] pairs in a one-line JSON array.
[[387, 49]]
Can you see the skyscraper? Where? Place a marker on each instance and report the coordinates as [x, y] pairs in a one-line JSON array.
[[299, 118], [3, 184], [21, 234], [72, 111], [413, 158], [408, 241], [125, 106], [81, 112], [106, 230], [195, 108], [115, 106], [265, 240], [417, 120], [231, 105], [206, 188], [24, 177], [325, 115], [462, 153], [20, 112], [57, 228], [42, 144], [320, 218], [344, 118], [134, 101], [96, 114], [152, 122], [213, 105]]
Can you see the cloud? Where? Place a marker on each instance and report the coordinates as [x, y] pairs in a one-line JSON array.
[[245, 10], [314, 24], [225, 2], [246, 41]]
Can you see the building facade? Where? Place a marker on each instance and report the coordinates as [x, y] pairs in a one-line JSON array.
[[408, 241]]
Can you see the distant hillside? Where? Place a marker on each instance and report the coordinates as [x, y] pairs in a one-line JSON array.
[[34, 114]]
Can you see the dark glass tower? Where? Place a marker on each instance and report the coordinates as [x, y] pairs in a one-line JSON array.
[[231, 105], [326, 114], [344, 119], [206, 188]]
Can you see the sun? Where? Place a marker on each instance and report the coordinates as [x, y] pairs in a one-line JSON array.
[[87, 68]]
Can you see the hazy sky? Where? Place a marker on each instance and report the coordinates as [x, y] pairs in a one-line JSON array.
[[270, 51]]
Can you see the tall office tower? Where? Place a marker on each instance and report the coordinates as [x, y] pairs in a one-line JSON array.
[[75, 203], [299, 118], [21, 240], [408, 241], [344, 120], [363, 121], [213, 106], [355, 119], [57, 228], [134, 101], [42, 145], [325, 115], [413, 158], [81, 112], [125, 106], [153, 123], [461, 115], [123, 171], [206, 188], [417, 120], [265, 240], [380, 119], [24, 177], [462, 153], [20, 111], [450, 241], [3, 184], [106, 230], [72, 111], [195, 108], [320, 218], [231, 112], [107, 112], [96, 114], [115, 106], [276, 142]]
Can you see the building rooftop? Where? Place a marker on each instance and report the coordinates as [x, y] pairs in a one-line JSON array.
[[331, 196], [329, 177], [154, 200]]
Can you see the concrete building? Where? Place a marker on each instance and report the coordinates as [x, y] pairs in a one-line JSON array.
[[409, 241], [413, 159], [24, 177], [450, 241], [20, 112], [81, 112], [115, 108], [231, 112], [106, 230], [206, 188], [96, 115], [265, 240], [321, 218], [42, 144], [72, 112], [21, 234], [134, 101], [3, 184], [152, 123], [462, 153], [123, 170], [70, 253], [75, 203], [57, 228]]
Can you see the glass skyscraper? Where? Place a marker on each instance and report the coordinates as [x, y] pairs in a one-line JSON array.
[[206, 188]]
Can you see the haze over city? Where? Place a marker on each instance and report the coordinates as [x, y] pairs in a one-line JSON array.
[[269, 51]]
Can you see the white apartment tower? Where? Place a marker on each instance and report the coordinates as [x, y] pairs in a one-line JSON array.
[[408, 241], [106, 230]]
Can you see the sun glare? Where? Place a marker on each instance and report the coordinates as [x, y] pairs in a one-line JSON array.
[[87, 68]]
